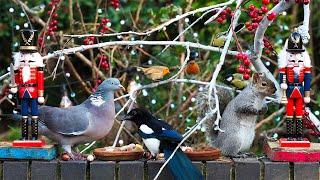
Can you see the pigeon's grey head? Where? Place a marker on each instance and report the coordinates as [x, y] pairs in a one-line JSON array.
[[110, 84]]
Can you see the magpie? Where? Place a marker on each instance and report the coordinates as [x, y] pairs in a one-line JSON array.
[[158, 136]]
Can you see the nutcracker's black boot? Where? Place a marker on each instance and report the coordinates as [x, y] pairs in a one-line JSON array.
[[24, 128], [289, 122], [299, 129], [34, 127]]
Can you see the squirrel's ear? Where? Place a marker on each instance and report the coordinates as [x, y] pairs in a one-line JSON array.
[[256, 77]]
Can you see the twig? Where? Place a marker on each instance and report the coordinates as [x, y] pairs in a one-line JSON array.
[[258, 43], [160, 27], [133, 43], [269, 118]]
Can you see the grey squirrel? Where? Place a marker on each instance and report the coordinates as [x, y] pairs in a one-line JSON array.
[[239, 116]]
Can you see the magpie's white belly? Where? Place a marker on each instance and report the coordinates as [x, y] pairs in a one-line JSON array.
[[153, 145]]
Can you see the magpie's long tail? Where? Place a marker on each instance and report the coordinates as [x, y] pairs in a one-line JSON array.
[[181, 167]]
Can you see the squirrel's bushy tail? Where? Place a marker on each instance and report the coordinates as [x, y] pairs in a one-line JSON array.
[[225, 95]]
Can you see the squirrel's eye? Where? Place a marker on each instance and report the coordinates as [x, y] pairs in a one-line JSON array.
[[264, 84]]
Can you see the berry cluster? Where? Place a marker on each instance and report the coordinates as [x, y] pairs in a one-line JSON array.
[[267, 45], [53, 24], [103, 25], [257, 14], [227, 13], [88, 40], [103, 62], [301, 1], [115, 4], [244, 67]]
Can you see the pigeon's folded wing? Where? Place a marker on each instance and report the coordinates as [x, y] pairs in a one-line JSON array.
[[71, 121]]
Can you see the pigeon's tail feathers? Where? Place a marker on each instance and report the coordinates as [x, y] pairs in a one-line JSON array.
[[181, 167]]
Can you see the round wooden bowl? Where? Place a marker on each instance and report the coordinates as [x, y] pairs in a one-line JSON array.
[[204, 155], [102, 154]]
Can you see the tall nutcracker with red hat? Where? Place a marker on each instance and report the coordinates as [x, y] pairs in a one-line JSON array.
[[28, 82], [295, 78]]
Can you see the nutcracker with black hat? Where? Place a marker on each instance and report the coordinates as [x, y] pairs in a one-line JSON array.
[[295, 81], [27, 80]]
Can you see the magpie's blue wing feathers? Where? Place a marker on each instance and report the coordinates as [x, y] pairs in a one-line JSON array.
[[169, 135]]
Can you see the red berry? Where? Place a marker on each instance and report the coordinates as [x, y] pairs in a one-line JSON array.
[[250, 28], [246, 62], [248, 24], [255, 25], [224, 12], [220, 20], [239, 56], [265, 2], [228, 9], [264, 9], [272, 16], [247, 71], [55, 15], [306, 2], [240, 69], [267, 51], [246, 76], [251, 7]]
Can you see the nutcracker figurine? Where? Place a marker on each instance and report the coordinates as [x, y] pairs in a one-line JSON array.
[[28, 82], [295, 79]]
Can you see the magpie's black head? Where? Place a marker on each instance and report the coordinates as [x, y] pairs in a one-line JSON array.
[[139, 116]]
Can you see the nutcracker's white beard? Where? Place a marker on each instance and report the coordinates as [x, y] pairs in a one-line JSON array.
[[25, 73]]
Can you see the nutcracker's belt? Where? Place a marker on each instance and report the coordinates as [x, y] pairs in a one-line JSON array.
[[28, 85], [295, 84]]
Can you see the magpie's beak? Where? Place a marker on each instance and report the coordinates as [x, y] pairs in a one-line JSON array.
[[121, 87], [126, 118]]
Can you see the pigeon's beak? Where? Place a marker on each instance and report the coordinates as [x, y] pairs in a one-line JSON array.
[[121, 87]]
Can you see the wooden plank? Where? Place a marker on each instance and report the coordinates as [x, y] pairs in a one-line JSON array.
[[247, 168], [73, 170], [276, 170], [306, 170], [15, 170], [102, 170], [154, 167], [220, 169], [132, 169], [44, 170]]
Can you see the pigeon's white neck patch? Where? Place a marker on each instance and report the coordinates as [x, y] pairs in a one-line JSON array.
[[97, 100]]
